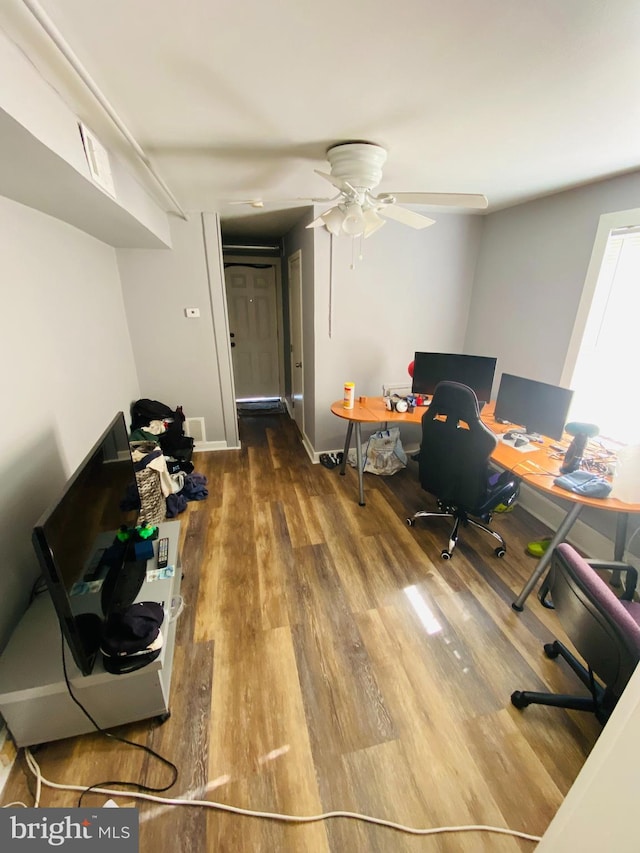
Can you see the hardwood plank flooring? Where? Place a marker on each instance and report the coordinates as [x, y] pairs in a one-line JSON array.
[[327, 659]]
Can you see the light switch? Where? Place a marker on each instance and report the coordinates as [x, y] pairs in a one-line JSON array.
[[191, 312]]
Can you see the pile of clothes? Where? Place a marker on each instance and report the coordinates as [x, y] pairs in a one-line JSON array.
[[161, 454], [155, 421]]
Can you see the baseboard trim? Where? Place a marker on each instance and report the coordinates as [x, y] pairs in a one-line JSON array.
[[206, 446], [307, 446]]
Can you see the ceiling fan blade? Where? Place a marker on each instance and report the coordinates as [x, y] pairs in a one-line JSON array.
[[318, 200], [337, 182], [470, 200], [406, 217], [254, 202], [316, 223], [342, 184]]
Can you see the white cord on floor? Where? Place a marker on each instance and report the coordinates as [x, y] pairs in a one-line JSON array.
[[210, 804]]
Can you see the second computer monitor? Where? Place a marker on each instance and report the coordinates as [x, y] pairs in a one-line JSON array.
[[536, 406], [476, 371]]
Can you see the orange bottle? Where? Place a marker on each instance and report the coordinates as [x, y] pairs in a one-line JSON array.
[[349, 395]]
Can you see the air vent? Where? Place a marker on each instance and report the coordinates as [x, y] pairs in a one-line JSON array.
[[194, 427]]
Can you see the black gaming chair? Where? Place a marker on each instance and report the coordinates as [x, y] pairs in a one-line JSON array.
[[454, 464]]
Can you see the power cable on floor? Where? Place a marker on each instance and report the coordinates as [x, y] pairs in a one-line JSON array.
[[209, 804]]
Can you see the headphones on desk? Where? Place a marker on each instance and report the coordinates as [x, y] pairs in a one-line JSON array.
[[395, 403]]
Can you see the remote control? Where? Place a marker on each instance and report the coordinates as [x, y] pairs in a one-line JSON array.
[[163, 553]]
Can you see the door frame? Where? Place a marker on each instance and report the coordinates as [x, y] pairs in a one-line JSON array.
[[267, 260], [291, 259]]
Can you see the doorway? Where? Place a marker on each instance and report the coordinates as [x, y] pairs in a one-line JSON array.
[[254, 303]]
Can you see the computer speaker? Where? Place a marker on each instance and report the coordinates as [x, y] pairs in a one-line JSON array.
[[581, 433]]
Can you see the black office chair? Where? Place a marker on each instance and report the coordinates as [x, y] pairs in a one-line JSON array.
[[454, 467], [604, 629]]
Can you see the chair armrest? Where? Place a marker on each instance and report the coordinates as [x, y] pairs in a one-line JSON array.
[[631, 579]]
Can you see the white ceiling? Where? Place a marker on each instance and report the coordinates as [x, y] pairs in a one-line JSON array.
[[239, 99]]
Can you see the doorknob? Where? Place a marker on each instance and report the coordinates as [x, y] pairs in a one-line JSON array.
[[298, 364]]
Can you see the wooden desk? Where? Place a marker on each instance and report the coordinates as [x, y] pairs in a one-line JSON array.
[[534, 467]]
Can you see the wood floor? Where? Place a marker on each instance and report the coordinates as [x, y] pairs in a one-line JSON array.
[[327, 658]]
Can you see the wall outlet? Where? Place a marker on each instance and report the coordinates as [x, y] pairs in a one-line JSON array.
[[191, 312]]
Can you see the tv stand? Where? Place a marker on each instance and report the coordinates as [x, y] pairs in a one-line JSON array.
[[34, 699]]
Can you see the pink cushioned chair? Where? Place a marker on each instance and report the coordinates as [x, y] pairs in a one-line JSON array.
[[604, 629]]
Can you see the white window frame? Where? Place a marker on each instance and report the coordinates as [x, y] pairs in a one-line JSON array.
[[608, 222]]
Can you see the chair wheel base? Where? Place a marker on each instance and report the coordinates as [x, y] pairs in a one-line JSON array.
[[500, 552], [519, 700], [446, 555], [551, 650], [411, 522]]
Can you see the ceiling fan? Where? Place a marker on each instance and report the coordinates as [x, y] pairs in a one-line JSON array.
[[356, 169]]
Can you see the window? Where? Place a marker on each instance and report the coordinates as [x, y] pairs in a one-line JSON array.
[[604, 354]]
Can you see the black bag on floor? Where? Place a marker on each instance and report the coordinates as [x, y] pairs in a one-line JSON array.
[[144, 411], [175, 443]]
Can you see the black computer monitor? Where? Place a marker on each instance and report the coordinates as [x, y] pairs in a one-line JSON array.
[[536, 406], [476, 371]]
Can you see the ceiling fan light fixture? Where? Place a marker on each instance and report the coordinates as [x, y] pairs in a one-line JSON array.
[[333, 219], [353, 222], [372, 222]]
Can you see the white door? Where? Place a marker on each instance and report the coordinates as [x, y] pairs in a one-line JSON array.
[[295, 323], [253, 326]]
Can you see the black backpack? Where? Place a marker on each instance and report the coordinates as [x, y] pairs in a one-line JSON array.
[[144, 411]]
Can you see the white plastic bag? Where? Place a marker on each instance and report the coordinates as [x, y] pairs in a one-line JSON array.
[[382, 453]]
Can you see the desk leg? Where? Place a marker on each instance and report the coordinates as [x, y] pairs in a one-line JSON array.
[[544, 561], [343, 464], [347, 444], [359, 464], [621, 536]]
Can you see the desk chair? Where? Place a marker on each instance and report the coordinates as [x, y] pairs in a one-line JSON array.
[[604, 629], [453, 464]]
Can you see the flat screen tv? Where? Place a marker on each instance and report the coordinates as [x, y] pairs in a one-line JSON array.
[[538, 407], [476, 371], [75, 542]]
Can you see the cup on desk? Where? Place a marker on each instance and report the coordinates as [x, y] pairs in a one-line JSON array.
[[362, 400]]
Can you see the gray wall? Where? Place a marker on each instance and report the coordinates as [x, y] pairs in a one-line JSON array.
[[177, 358], [68, 367], [530, 275], [531, 270], [412, 291]]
